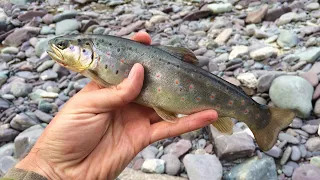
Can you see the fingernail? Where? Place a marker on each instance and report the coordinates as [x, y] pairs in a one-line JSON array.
[[131, 74]]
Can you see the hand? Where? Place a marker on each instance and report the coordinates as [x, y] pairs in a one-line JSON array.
[[99, 131]]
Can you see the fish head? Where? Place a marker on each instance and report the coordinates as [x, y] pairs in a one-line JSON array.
[[74, 54]]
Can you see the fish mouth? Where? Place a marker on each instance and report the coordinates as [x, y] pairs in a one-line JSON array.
[[55, 54]]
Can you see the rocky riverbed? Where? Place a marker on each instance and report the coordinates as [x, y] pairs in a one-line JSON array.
[[269, 48]]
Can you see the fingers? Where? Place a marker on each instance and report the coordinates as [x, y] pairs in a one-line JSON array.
[[142, 37], [163, 129], [106, 99], [91, 86]]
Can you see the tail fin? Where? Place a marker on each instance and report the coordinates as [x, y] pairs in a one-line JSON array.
[[267, 136]]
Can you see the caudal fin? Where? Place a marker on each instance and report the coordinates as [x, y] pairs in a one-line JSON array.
[[267, 136]]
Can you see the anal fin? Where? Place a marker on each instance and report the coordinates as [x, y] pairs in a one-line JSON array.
[[224, 125], [167, 116]]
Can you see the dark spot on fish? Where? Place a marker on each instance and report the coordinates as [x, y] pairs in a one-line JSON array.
[[110, 44], [106, 66], [178, 66], [83, 50], [130, 48], [168, 63], [118, 50], [87, 44], [98, 44], [117, 72], [79, 40]]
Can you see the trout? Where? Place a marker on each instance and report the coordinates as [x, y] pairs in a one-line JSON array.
[[173, 83]]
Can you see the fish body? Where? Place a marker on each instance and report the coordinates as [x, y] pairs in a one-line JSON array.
[[172, 83]]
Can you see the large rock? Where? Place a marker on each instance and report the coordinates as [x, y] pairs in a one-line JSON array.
[[26, 140], [233, 146], [254, 169], [292, 92], [306, 172], [204, 167]]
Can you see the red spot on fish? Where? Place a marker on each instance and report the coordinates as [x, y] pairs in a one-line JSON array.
[[218, 106], [230, 103], [182, 99], [108, 53], [212, 96], [122, 61], [159, 89], [112, 65], [191, 86], [242, 102], [158, 75], [246, 111], [176, 81], [198, 99]]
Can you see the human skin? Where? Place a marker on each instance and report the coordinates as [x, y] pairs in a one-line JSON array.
[[100, 130]]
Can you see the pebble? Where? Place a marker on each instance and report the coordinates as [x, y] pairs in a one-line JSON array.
[[180, 148], [289, 138], [311, 77], [201, 144], [287, 39], [315, 161], [287, 170], [233, 146], [223, 36], [286, 155], [254, 168], [149, 152], [248, 79], [238, 51], [220, 8], [23, 121], [65, 15], [263, 53], [20, 89], [310, 55], [292, 92], [313, 144], [153, 166], [257, 15], [67, 26], [312, 6], [274, 152], [172, 164], [264, 82], [26, 140], [306, 172], [48, 75], [10, 50], [296, 123], [7, 150], [196, 165], [6, 163], [43, 116], [7, 134], [316, 93], [317, 108], [311, 129], [296, 154]]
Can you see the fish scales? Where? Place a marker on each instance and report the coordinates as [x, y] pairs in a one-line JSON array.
[[171, 85]]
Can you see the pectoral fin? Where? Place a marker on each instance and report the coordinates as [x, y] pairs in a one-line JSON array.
[[224, 125], [167, 116], [91, 74]]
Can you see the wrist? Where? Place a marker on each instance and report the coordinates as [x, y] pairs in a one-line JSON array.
[[35, 164]]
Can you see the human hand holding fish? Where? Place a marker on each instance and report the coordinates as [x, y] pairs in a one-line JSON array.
[[99, 130]]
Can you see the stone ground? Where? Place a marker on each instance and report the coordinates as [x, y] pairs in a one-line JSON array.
[[268, 48]]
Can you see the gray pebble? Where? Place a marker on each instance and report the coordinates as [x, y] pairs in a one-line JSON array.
[[286, 155], [296, 154]]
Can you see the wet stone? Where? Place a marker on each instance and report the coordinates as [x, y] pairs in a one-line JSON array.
[[306, 172], [313, 144], [274, 152], [296, 123], [153, 166], [22, 121], [180, 148], [311, 129], [286, 155], [7, 133], [296, 154], [172, 164], [6, 163], [7, 150]]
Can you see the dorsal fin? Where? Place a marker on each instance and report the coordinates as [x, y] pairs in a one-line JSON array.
[[181, 53]]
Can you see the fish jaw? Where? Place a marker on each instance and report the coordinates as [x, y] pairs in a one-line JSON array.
[[55, 54]]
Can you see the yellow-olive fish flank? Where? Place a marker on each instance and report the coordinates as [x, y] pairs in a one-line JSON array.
[[172, 85]]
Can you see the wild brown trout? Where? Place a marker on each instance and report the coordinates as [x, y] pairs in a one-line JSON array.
[[173, 84]]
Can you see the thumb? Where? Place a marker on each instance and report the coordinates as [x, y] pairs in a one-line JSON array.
[[106, 99]]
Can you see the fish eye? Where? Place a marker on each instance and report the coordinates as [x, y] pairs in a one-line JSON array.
[[62, 44]]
